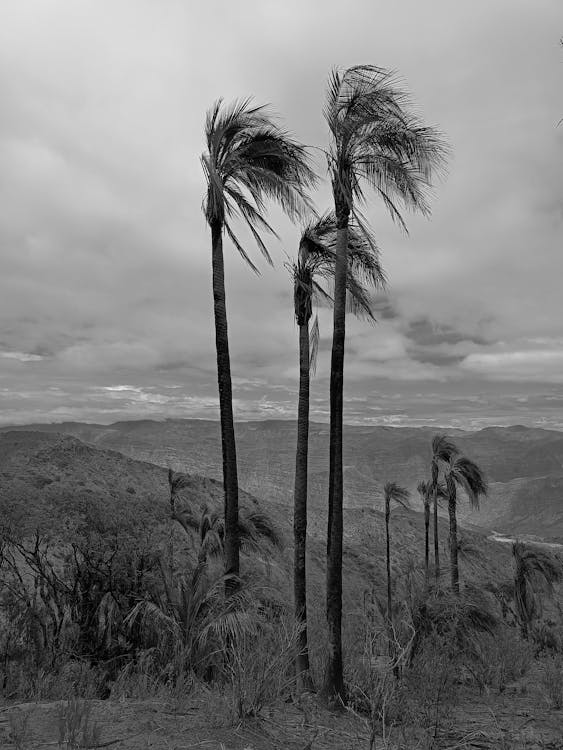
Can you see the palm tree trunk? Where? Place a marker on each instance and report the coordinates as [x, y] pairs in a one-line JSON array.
[[454, 567], [230, 478], [391, 648], [436, 548], [426, 540], [388, 560], [334, 691], [300, 513]]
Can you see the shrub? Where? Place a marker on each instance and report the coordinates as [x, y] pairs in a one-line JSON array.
[[552, 680], [260, 667]]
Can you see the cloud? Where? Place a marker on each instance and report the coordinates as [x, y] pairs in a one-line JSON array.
[[21, 356], [532, 365], [106, 277]]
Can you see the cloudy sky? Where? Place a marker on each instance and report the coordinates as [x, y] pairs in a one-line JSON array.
[[105, 284]]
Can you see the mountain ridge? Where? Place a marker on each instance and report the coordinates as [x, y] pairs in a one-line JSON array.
[[524, 465]]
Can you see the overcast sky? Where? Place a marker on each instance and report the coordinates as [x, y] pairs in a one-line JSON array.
[[105, 283]]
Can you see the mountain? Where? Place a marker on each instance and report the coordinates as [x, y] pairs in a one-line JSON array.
[[524, 465]]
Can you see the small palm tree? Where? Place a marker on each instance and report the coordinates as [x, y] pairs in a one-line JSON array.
[[464, 473], [535, 571], [258, 535], [249, 158], [312, 275], [375, 141], [443, 449], [392, 493]]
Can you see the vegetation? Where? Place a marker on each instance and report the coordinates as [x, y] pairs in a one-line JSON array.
[[535, 572]]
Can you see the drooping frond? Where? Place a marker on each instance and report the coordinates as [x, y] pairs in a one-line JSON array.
[[260, 526], [250, 159], [393, 492], [537, 565], [443, 448], [313, 272], [535, 572], [465, 473], [178, 481]]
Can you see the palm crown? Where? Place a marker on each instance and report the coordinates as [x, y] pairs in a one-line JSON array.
[[249, 158], [465, 473], [313, 271], [376, 139]]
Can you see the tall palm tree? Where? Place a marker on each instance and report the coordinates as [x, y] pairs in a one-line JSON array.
[[464, 473], [312, 274], [535, 570], [375, 141], [392, 493], [424, 490], [249, 158], [443, 449]]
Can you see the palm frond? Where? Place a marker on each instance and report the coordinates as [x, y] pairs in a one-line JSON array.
[[469, 476], [424, 489], [536, 571], [443, 449], [259, 525], [393, 492], [316, 258]]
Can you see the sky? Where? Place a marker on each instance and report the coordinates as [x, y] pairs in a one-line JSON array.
[[105, 283]]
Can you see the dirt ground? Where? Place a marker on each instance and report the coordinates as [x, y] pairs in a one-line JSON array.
[[517, 719]]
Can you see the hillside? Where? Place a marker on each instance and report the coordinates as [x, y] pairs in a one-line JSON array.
[[524, 465], [59, 484], [50, 480]]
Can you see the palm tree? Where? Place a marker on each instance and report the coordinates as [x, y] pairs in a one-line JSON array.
[[375, 141], [464, 473], [258, 535], [249, 158], [535, 570], [424, 490], [311, 272], [442, 451], [392, 492]]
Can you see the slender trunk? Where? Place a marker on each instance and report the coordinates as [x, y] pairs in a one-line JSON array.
[[436, 548], [426, 539], [334, 691], [300, 513], [391, 634], [454, 568], [230, 478], [388, 560]]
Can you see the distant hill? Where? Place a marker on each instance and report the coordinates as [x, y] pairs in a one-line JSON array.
[[524, 465]]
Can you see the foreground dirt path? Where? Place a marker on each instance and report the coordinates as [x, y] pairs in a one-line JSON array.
[[139, 725], [517, 719]]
